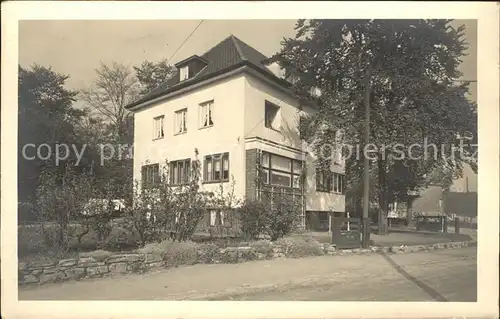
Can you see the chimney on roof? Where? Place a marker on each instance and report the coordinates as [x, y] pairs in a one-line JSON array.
[[190, 67]]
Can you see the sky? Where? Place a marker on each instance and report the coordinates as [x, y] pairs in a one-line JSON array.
[[76, 47]]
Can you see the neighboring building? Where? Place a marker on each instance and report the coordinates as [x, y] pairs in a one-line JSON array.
[[237, 112], [460, 200]]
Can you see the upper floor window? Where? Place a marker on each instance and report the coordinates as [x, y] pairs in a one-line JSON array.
[[323, 180], [183, 73], [150, 175], [326, 181], [180, 172], [206, 114], [271, 114], [158, 127], [338, 183], [180, 121], [280, 171], [216, 168]]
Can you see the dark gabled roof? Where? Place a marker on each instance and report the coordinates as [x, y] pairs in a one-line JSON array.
[[225, 56]]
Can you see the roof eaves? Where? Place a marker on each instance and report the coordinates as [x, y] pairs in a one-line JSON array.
[[184, 84]]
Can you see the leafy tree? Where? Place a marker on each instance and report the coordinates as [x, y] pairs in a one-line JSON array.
[[45, 115], [408, 68], [151, 75]]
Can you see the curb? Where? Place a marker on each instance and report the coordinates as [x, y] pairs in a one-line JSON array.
[[402, 248]]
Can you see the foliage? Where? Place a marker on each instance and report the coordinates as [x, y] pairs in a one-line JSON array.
[[70, 205], [275, 218], [139, 218], [300, 246], [253, 218], [174, 253], [208, 253], [166, 210], [225, 202], [283, 217], [25, 213], [151, 75], [408, 68], [262, 246], [45, 115]]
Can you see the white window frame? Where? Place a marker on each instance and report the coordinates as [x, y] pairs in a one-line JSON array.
[[206, 114], [180, 121], [338, 183], [158, 130], [183, 73]]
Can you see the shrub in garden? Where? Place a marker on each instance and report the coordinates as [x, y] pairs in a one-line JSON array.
[[300, 246], [283, 217], [173, 253], [31, 239], [181, 253], [121, 238], [262, 246], [228, 224], [253, 218], [208, 253], [276, 218], [161, 209], [66, 210]]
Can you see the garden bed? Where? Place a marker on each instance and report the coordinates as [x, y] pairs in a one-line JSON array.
[[172, 254]]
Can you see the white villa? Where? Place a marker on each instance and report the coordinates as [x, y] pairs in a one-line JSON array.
[[236, 110]]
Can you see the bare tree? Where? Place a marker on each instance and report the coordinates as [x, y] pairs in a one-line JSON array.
[[114, 87]]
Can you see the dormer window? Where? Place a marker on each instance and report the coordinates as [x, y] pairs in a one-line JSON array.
[[188, 68], [184, 73]]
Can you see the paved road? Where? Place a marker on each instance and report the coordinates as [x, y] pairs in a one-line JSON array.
[[441, 275], [450, 278]]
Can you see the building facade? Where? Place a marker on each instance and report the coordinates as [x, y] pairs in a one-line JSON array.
[[242, 119]]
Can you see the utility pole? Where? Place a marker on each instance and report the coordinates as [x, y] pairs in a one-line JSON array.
[[366, 193]]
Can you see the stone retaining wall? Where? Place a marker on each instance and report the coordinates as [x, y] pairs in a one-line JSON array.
[[89, 267]]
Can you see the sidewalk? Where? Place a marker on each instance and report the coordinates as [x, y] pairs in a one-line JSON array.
[[216, 281]]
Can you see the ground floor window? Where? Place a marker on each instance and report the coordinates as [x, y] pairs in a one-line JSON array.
[[280, 171], [216, 168], [150, 175], [180, 172]]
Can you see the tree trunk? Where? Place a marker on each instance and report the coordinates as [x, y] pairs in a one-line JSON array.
[[382, 215], [409, 213]]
